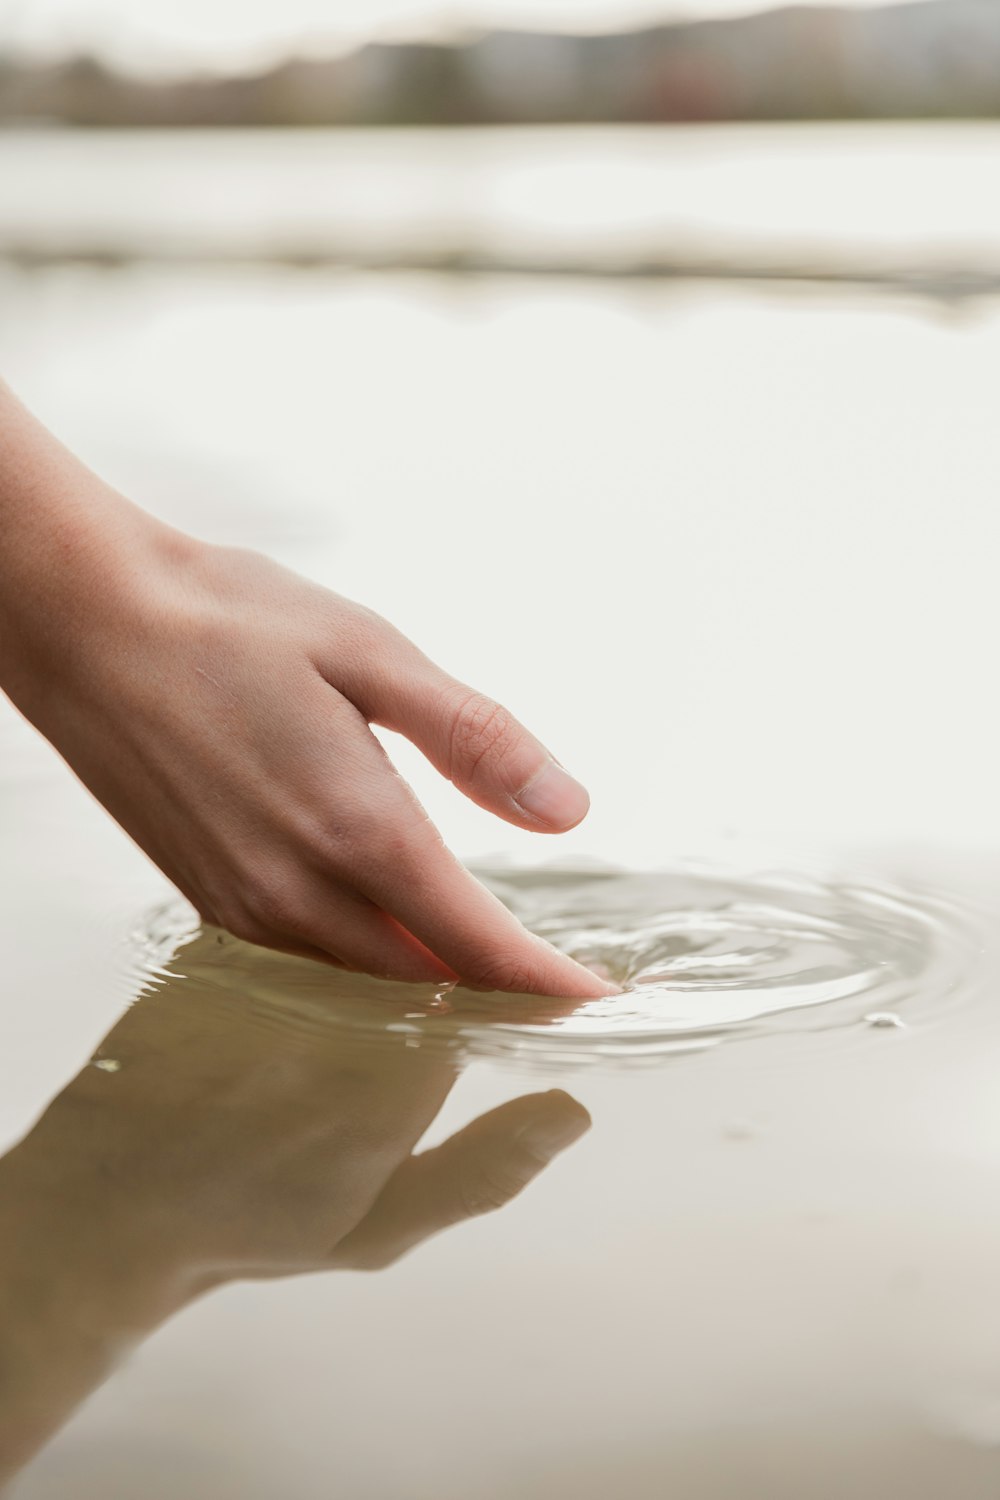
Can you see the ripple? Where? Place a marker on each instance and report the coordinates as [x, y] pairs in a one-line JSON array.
[[702, 956]]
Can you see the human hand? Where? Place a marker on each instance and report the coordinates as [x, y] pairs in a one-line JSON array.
[[219, 707]]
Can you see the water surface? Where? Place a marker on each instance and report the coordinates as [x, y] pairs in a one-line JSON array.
[[740, 575], [701, 956], [770, 1256], [804, 199]]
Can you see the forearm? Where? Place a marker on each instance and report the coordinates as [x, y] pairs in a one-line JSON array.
[[71, 551]]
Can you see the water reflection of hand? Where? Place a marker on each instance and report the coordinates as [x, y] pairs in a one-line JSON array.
[[234, 1138]]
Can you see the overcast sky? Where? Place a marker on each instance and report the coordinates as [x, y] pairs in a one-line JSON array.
[[233, 33]]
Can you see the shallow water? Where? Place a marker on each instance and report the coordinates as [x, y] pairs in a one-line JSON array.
[[701, 956], [740, 574], [770, 1261]]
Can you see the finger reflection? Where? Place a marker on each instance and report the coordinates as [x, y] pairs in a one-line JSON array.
[[242, 1121], [235, 1123]]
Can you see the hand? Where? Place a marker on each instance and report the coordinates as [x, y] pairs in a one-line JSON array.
[[219, 707], [235, 1134]]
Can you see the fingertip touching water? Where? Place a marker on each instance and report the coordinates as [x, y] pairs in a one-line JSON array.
[[701, 956]]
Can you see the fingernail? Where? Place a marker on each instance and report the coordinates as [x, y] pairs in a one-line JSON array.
[[553, 796], [561, 1122]]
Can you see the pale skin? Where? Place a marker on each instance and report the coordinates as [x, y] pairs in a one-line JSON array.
[[220, 707]]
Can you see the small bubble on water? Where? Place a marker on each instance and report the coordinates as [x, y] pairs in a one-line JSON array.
[[107, 1064], [885, 1019]]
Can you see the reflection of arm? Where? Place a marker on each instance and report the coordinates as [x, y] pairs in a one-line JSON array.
[[73, 1300], [114, 1219]]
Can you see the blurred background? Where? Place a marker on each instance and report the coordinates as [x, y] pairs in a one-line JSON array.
[[638, 359]]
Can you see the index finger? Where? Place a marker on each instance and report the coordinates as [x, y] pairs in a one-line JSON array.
[[436, 899]]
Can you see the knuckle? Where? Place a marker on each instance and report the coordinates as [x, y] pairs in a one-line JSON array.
[[503, 972], [364, 842], [272, 904], [481, 730], [335, 845], [363, 638], [366, 627], [238, 921], [487, 1184]]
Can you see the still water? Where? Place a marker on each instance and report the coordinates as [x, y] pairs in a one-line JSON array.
[[733, 556], [760, 1250], [909, 199]]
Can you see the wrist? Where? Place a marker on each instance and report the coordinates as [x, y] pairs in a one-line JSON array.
[[78, 561]]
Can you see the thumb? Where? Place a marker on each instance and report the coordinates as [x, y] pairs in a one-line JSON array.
[[471, 739], [492, 758], [475, 1172]]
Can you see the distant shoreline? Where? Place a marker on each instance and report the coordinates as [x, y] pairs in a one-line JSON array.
[[31, 124], [763, 205], [926, 59], [944, 284]]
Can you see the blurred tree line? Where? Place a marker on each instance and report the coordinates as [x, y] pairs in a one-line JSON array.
[[927, 58]]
